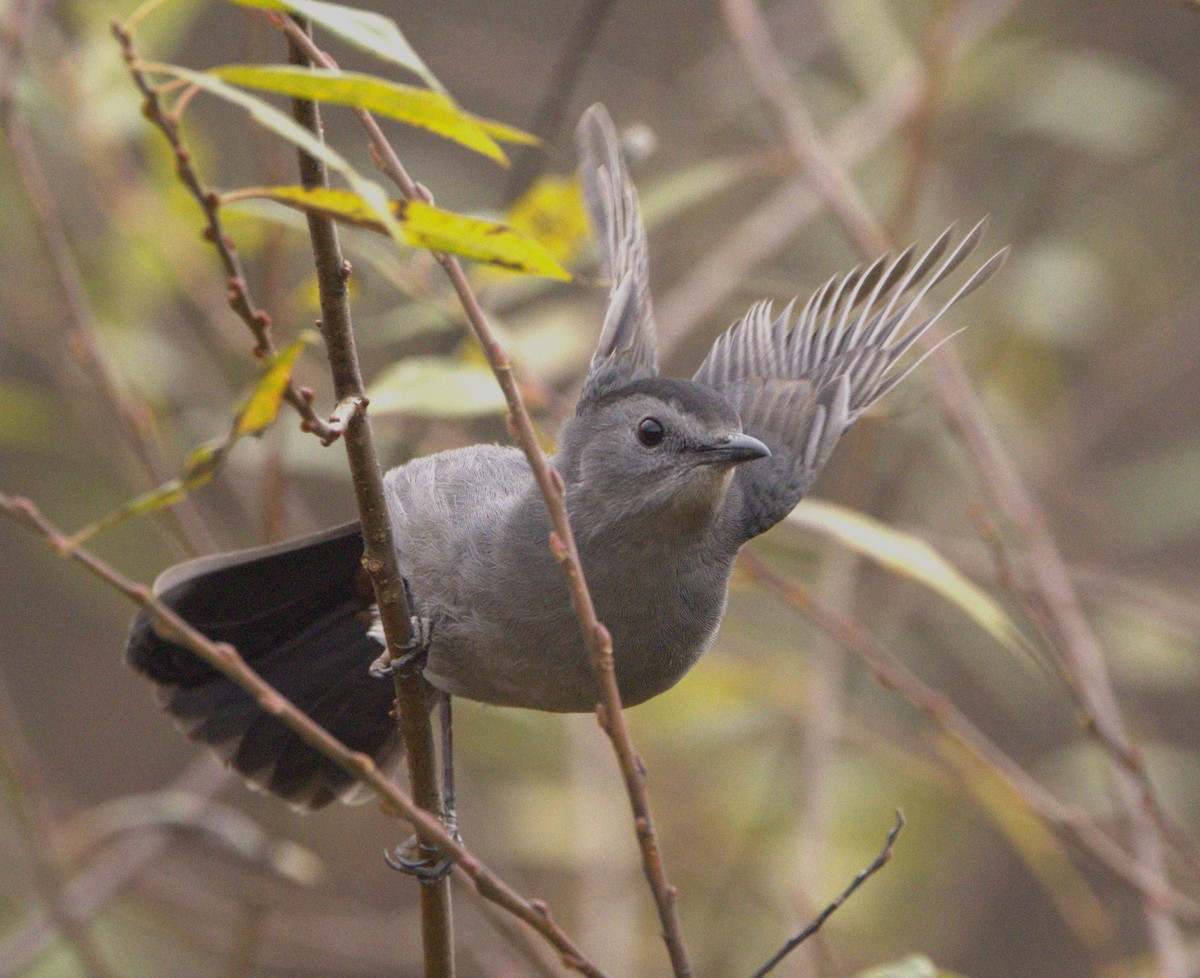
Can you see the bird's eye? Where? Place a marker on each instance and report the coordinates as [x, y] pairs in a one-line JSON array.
[[649, 432]]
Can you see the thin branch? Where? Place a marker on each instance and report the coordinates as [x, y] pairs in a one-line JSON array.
[[877, 864], [226, 660], [379, 559], [938, 707], [562, 543], [35, 822], [1081, 650], [240, 300]]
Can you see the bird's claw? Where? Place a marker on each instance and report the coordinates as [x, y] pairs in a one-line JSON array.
[[426, 862], [411, 652]]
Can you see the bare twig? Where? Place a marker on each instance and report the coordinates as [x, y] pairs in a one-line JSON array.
[[380, 553], [226, 660], [935, 704], [240, 300], [877, 864], [35, 821], [562, 542], [1080, 648]]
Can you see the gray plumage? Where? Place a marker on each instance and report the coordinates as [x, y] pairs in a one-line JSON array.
[[666, 479]]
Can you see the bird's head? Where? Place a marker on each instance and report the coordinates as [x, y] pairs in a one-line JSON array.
[[658, 447]]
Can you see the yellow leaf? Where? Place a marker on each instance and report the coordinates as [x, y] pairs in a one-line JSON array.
[[262, 405], [422, 226], [416, 106], [505, 133], [203, 462], [903, 553], [370, 193], [552, 212]]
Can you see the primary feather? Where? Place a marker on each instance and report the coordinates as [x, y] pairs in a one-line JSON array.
[[800, 382]]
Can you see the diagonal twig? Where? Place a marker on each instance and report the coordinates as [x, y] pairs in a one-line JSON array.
[[877, 864], [562, 542], [1049, 578], [257, 320], [226, 660]]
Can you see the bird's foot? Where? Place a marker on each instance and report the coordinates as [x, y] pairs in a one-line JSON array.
[[426, 862], [412, 653]]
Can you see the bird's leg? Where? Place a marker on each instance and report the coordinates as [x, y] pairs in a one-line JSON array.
[[411, 653], [421, 859]]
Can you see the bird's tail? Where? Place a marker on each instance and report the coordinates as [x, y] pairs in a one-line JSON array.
[[299, 614]]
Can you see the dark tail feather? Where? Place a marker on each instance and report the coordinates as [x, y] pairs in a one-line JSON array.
[[299, 614]]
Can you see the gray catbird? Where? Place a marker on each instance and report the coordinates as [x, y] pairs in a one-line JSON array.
[[666, 479]]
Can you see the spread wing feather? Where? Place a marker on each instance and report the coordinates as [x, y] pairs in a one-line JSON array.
[[627, 350], [800, 383]]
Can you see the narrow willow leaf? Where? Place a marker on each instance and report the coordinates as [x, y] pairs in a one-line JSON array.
[[506, 133], [262, 405], [168, 494], [487, 241], [371, 193], [903, 553], [203, 462], [436, 387], [415, 106], [422, 226], [363, 29]]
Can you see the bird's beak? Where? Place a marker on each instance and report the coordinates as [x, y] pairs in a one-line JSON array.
[[731, 450]]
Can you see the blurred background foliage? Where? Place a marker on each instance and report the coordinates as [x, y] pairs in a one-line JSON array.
[[774, 767]]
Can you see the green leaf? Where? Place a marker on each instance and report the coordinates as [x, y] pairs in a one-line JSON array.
[[202, 464], [168, 494], [371, 193], [363, 29], [903, 553], [416, 106], [422, 226], [436, 387], [262, 405]]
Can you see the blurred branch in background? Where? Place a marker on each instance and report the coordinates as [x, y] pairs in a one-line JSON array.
[[39, 839], [1076, 643], [1073, 124]]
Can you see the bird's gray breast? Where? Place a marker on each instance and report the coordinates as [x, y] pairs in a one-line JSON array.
[[472, 535]]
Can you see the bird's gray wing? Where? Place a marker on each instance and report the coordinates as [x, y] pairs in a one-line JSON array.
[[799, 383], [627, 350]]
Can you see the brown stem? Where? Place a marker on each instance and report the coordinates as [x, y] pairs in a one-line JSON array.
[[226, 660], [379, 558], [562, 542], [240, 300]]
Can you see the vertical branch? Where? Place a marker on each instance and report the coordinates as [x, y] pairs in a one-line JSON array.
[[379, 557], [562, 541]]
